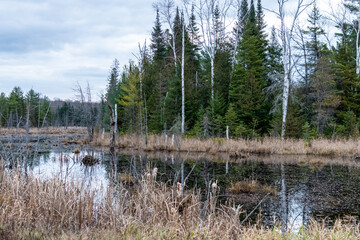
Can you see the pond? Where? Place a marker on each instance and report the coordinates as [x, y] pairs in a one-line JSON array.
[[290, 192]]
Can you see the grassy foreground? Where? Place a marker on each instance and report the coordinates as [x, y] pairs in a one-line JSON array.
[[53, 209]]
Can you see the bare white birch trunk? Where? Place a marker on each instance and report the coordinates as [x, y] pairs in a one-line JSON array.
[[205, 10], [286, 37], [212, 76], [115, 119], [227, 133], [174, 49], [357, 45], [285, 99], [286, 58], [183, 81], [27, 117]]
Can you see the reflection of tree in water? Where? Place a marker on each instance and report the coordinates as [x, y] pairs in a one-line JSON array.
[[302, 191]]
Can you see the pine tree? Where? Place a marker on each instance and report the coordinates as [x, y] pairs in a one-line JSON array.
[[177, 30], [4, 109], [113, 81], [315, 31], [323, 93], [347, 82], [274, 59], [249, 78], [231, 120], [193, 29], [158, 46], [242, 17], [33, 99], [17, 107], [129, 97]]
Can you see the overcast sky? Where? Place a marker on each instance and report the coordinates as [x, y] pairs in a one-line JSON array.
[[49, 45]]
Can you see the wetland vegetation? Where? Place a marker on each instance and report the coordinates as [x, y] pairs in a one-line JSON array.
[[48, 193]]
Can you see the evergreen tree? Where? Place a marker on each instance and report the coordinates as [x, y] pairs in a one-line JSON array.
[[17, 107], [46, 115], [4, 110], [315, 31], [231, 120], [274, 59], [158, 46], [130, 97], [242, 17], [113, 81], [249, 79], [33, 99], [323, 93], [347, 82]]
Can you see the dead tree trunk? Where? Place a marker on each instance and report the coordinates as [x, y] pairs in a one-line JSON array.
[[112, 130], [27, 117]]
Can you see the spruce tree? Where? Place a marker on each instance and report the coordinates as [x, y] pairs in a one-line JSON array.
[[315, 32], [157, 45], [347, 82], [4, 109], [249, 78], [242, 16], [113, 81]]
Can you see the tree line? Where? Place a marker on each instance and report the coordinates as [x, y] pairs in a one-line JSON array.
[[198, 78], [291, 82]]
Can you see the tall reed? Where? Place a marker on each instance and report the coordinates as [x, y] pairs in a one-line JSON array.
[[53, 209]]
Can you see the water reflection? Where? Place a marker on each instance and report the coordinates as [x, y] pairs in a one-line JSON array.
[[303, 191]]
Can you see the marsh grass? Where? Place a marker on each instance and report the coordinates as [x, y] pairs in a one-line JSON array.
[[54, 209], [251, 187], [47, 130], [238, 148]]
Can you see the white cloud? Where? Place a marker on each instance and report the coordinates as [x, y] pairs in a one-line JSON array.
[[50, 45]]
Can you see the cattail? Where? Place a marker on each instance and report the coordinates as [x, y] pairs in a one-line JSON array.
[[148, 177], [179, 189], [214, 187], [154, 173]]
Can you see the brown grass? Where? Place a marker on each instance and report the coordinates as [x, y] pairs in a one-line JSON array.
[[47, 130], [53, 209], [238, 148], [251, 187]]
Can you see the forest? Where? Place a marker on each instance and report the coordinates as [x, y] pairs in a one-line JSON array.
[[198, 78]]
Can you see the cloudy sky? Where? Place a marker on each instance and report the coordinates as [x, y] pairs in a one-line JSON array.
[[49, 45]]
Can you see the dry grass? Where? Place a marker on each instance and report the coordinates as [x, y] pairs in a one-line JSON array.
[[234, 148], [250, 187], [47, 130], [53, 209], [238, 148]]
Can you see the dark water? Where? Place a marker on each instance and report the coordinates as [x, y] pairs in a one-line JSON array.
[[303, 191]]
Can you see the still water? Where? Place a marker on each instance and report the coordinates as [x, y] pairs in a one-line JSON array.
[[302, 190]]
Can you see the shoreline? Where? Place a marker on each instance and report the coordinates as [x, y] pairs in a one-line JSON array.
[[232, 148]]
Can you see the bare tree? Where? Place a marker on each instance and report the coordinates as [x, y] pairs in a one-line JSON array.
[[286, 35], [89, 111], [166, 9], [141, 57], [354, 7], [182, 77], [205, 11]]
